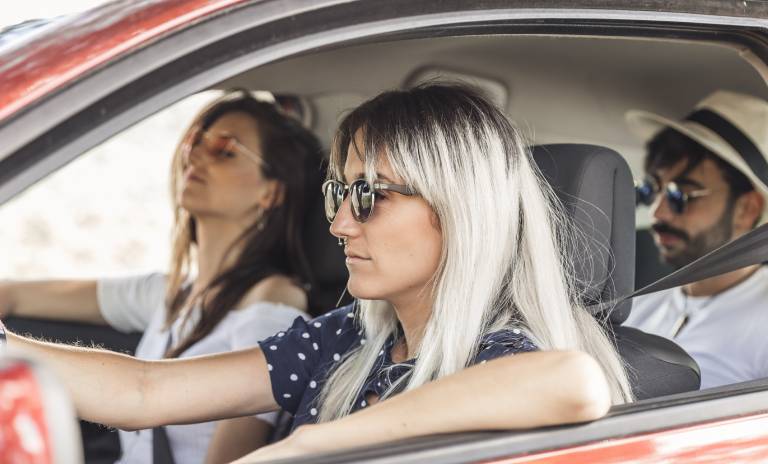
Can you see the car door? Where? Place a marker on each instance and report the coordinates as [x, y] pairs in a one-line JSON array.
[[201, 44]]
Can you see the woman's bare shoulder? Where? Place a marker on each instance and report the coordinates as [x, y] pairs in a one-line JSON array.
[[276, 289]]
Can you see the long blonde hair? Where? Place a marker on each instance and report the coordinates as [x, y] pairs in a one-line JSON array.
[[503, 261]]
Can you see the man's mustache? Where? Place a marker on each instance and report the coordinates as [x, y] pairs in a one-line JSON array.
[[663, 228]]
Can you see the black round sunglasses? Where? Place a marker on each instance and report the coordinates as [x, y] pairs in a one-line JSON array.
[[646, 191], [362, 198]]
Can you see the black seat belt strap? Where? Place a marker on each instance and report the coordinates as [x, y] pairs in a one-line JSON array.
[[751, 248], [161, 447]]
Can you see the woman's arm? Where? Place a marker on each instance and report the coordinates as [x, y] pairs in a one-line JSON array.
[[124, 392], [234, 438], [68, 300], [515, 392]]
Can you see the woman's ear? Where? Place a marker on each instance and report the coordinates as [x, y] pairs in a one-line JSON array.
[[274, 194], [748, 211]]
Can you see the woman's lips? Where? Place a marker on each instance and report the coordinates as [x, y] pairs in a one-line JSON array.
[[353, 258], [192, 177]]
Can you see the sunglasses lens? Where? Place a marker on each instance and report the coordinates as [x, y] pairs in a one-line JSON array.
[[676, 199], [334, 197], [362, 200], [645, 193]]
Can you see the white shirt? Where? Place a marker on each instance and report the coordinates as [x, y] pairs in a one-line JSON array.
[[131, 304], [727, 334]]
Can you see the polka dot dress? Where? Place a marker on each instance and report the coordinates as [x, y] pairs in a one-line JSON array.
[[301, 358]]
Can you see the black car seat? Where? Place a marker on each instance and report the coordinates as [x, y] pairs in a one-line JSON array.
[[648, 264], [595, 186]]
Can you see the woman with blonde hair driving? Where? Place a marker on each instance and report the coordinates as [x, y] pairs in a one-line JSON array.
[[466, 315]]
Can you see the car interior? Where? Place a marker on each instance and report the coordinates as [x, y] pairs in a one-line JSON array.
[[558, 89], [569, 95]]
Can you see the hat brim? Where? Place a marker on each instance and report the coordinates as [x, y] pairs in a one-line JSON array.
[[646, 125]]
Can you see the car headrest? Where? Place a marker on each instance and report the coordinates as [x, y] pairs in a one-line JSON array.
[[595, 186]]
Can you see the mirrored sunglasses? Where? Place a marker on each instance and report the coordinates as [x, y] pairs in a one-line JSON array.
[[647, 190], [362, 196]]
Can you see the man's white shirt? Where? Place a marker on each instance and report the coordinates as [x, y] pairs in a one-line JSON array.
[[727, 334]]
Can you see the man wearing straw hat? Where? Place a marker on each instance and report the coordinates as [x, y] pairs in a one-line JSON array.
[[707, 183]]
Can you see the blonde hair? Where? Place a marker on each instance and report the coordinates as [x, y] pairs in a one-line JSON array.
[[501, 224]]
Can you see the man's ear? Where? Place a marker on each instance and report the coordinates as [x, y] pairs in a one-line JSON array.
[[748, 210]]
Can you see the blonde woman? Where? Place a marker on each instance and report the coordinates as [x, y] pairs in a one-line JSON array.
[[465, 319], [240, 180]]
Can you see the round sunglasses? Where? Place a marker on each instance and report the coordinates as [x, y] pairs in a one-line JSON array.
[[362, 196], [219, 145], [646, 191]]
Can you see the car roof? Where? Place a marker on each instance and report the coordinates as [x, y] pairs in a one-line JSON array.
[[40, 63]]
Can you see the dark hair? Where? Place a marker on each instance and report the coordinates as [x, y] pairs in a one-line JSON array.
[[273, 244], [669, 147]]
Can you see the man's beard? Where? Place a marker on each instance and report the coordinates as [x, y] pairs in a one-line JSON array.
[[696, 247]]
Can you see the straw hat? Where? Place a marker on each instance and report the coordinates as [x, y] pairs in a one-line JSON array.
[[731, 125]]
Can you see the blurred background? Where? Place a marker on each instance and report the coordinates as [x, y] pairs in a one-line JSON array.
[[16, 12], [106, 213]]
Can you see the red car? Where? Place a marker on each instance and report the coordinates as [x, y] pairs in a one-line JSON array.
[[566, 70]]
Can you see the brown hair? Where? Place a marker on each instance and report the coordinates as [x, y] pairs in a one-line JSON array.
[[272, 244]]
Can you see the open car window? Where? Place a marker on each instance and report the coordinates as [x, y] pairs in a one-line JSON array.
[[560, 88], [107, 213]]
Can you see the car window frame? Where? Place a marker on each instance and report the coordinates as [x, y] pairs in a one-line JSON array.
[[106, 102]]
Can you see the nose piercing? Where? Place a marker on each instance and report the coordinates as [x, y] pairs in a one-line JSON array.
[[341, 242]]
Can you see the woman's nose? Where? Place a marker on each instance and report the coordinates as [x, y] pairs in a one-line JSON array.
[[344, 224], [196, 155]]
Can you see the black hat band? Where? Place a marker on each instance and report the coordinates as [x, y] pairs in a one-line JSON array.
[[736, 139]]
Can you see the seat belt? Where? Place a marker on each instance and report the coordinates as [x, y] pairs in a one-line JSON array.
[[161, 447], [751, 248]]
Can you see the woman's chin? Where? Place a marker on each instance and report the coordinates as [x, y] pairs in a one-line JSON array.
[[192, 203], [361, 291]]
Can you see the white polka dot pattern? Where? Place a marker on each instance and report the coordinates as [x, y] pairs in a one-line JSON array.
[[301, 358]]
